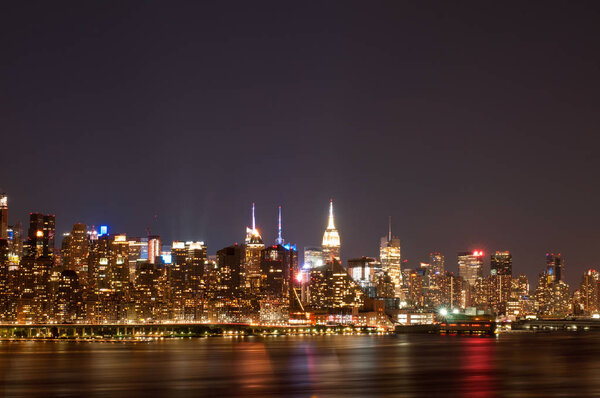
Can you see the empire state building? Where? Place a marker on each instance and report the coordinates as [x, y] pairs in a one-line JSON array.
[[331, 239]]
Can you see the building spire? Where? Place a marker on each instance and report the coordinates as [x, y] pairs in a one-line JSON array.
[[279, 237], [390, 229], [331, 224], [253, 220]]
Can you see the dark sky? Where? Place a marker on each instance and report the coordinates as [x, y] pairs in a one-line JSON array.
[[475, 125]]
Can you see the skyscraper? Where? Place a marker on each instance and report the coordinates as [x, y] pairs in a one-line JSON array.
[[501, 263], [437, 263], [391, 259], [154, 248], [331, 239], [313, 257], [555, 266], [470, 266], [252, 248], [40, 240], [3, 216], [76, 250]]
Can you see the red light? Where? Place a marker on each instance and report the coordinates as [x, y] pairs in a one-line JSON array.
[[478, 253], [299, 277]]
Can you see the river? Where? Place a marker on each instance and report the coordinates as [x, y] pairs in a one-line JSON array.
[[511, 365]]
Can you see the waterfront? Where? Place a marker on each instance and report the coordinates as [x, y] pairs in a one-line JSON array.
[[532, 365]]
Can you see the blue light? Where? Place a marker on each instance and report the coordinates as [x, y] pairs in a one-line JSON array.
[[287, 246], [103, 230], [167, 258]]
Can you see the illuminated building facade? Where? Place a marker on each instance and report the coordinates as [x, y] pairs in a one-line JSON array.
[[75, 250], [501, 263], [470, 266], [154, 249], [333, 288], [3, 216], [313, 257], [331, 239], [436, 260], [555, 267], [253, 247], [365, 271], [390, 256]]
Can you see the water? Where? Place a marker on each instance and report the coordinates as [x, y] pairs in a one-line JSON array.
[[517, 365]]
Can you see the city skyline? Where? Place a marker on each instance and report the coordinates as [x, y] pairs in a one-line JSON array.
[[452, 262]]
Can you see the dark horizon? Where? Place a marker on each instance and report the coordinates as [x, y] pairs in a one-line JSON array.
[[473, 126]]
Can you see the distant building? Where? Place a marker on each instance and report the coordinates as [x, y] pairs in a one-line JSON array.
[[555, 266], [75, 249], [436, 260], [331, 239], [154, 249], [365, 271], [313, 257], [3, 216], [253, 247], [470, 266], [501, 263], [391, 259]]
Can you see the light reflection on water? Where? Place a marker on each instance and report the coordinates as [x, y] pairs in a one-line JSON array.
[[539, 365]]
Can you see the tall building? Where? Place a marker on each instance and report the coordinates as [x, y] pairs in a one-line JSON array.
[[331, 239], [313, 257], [76, 249], [40, 240], [366, 272], [501, 263], [138, 254], [230, 261], [154, 248], [436, 260], [252, 248], [470, 266], [279, 264], [3, 216], [391, 259], [555, 266]]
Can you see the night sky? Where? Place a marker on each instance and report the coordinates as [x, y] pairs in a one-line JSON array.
[[475, 125]]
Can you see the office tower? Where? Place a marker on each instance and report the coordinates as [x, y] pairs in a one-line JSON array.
[[313, 257], [34, 304], [552, 296], [76, 249], [501, 263], [365, 271], [589, 292], [15, 242], [68, 298], [331, 239], [40, 240], [154, 249], [146, 294], [252, 249], [3, 216], [230, 262], [279, 265], [391, 259], [109, 275], [437, 263], [470, 266], [332, 288], [138, 254], [555, 265]]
